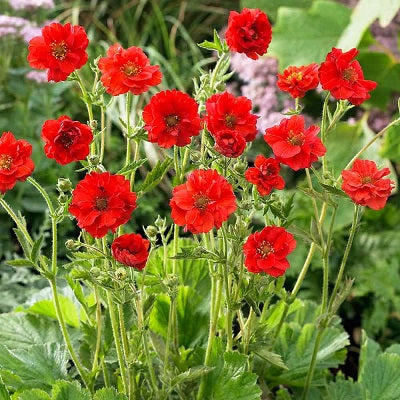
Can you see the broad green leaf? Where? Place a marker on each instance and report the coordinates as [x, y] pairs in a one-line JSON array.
[[21, 331], [109, 394], [21, 263], [304, 36], [270, 7], [36, 249], [4, 395], [64, 390], [391, 144], [344, 389], [37, 366], [32, 394], [364, 13], [133, 166], [155, 176], [236, 380]]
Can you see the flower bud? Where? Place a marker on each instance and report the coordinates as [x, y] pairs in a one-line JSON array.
[[120, 274], [151, 231], [62, 198], [95, 272], [160, 222], [220, 86], [94, 160], [72, 244], [64, 185], [240, 167], [93, 124]]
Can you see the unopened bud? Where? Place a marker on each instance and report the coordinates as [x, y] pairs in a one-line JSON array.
[[120, 274], [64, 185], [160, 222], [93, 124], [220, 86], [94, 160], [151, 231], [72, 244], [95, 272], [240, 167], [62, 198]]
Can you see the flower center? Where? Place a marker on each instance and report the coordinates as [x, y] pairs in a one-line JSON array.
[[268, 170], [59, 50], [67, 139], [5, 162], [131, 69], [296, 76], [350, 75], [265, 249], [201, 201], [101, 203], [171, 120], [296, 138], [230, 120], [366, 179]]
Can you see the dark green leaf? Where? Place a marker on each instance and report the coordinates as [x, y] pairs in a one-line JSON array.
[[36, 249], [155, 176], [64, 390], [109, 394], [21, 263], [131, 167]]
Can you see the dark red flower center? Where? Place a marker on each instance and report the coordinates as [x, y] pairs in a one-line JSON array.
[[248, 33], [5, 162], [101, 203], [268, 170], [366, 179], [230, 120], [201, 201], [265, 249], [350, 75], [296, 138], [59, 50], [171, 120], [131, 69]]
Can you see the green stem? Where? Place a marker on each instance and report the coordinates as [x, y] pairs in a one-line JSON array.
[[102, 132], [98, 323], [128, 128], [65, 333], [117, 340]]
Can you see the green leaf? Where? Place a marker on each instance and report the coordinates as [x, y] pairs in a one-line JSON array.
[[4, 395], [21, 263], [391, 144], [64, 390], [343, 389], [155, 176], [109, 394], [23, 242], [270, 7], [36, 249], [131, 167], [32, 394], [364, 13], [235, 379], [304, 36], [190, 375], [38, 366], [272, 358]]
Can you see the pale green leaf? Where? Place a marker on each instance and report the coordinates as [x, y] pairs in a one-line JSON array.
[[31, 394], [64, 390], [109, 394]]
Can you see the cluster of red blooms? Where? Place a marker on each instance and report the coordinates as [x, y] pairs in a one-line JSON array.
[[102, 202]]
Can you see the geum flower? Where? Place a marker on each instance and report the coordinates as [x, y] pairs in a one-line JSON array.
[[128, 70], [344, 78], [61, 50], [171, 118], [365, 185], [131, 250], [294, 145], [229, 143], [297, 81], [15, 161], [224, 112], [205, 201], [102, 202], [265, 175], [266, 251], [248, 32], [66, 140]]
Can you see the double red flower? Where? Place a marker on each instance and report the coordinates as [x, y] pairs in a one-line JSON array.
[[66, 140], [102, 202], [266, 251], [15, 162], [229, 143], [131, 250], [298, 80], [344, 78], [205, 201], [365, 185], [171, 118], [61, 50], [294, 145], [265, 175], [249, 32], [128, 71]]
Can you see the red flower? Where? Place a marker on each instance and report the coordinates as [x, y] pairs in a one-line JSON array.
[[131, 250], [128, 71], [15, 162], [266, 251], [249, 32], [344, 78], [204, 201], [61, 50], [294, 145], [225, 111], [101, 202], [171, 118], [265, 175], [66, 140], [298, 80], [229, 143], [363, 183]]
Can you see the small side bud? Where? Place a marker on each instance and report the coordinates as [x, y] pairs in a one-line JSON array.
[[240, 167], [93, 124], [95, 272], [160, 222], [94, 160], [72, 245], [151, 231], [62, 198], [120, 274], [64, 185]]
